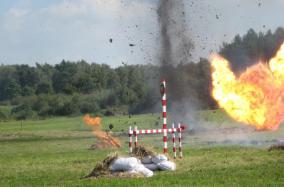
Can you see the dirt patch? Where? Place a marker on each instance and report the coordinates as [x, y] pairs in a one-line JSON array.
[[102, 145]]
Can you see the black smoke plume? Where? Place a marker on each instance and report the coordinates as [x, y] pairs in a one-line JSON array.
[[175, 51]]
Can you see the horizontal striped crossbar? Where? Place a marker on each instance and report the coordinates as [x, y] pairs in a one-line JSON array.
[[155, 131]]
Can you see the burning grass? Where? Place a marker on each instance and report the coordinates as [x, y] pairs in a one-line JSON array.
[[105, 138]]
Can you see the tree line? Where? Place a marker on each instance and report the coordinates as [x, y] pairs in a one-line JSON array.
[[252, 48], [72, 88]]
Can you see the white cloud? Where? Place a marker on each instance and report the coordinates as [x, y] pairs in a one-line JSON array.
[[17, 12], [102, 9], [75, 29], [67, 9], [14, 19]]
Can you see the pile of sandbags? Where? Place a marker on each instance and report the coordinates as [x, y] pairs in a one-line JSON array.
[[131, 165], [158, 162], [145, 166], [141, 163]]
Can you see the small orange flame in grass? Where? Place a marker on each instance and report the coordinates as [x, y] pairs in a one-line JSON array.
[[94, 122], [105, 137], [256, 97]]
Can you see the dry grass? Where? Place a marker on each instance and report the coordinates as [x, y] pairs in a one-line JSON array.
[[102, 168], [141, 151]]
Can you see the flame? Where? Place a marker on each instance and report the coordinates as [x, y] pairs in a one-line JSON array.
[[105, 137], [256, 97]]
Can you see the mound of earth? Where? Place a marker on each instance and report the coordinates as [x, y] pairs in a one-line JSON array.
[[141, 152], [102, 168]]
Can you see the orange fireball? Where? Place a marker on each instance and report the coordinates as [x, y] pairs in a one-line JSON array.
[[256, 97]]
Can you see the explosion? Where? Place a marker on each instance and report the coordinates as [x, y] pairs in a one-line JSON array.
[[256, 97], [103, 136]]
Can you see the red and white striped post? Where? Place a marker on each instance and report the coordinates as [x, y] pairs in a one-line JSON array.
[[130, 132], [163, 131], [164, 107], [174, 140], [136, 137], [179, 140]]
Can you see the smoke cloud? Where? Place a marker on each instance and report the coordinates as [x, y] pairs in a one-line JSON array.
[[183, 100], [175, 42], [176, 46]]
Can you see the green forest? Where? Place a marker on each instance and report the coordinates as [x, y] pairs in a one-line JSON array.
[[73, 88]]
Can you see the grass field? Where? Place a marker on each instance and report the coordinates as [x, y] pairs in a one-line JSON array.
[[54, 152]]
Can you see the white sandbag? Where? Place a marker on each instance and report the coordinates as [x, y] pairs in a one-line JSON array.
[[143, 170], [147, 160], [124, 164], [167, 165], [152, 167], [159, 158]]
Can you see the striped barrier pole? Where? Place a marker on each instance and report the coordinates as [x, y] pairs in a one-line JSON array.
[[174, 140], [130, 139], [172, 130], [156, 131], [136, 138], [179, 140], [164, 107]]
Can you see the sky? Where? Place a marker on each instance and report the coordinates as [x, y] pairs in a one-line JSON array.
[[48, 31]]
